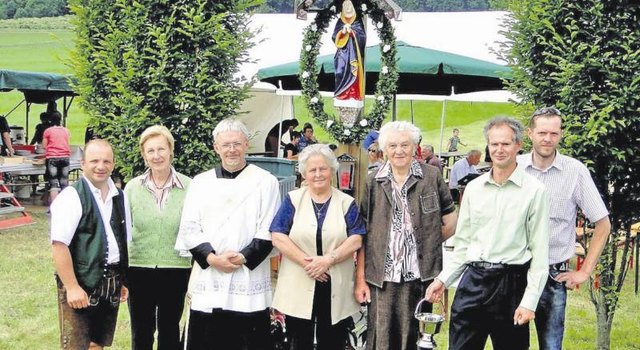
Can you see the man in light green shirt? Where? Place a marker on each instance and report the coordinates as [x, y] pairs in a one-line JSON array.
[[501, 245]]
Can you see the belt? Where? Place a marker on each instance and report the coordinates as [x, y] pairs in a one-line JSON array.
[[488, 265], [561, 266]]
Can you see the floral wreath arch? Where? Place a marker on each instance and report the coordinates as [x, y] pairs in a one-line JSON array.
[[385, 87]]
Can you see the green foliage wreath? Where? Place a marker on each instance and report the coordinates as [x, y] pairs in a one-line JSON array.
[[385, 87]]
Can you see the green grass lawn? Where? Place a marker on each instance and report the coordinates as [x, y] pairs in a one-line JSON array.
[[28, 311]]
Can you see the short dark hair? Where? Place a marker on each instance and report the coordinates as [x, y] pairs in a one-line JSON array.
[[55, 117], [295, 135], [307, 126], [544, 112]]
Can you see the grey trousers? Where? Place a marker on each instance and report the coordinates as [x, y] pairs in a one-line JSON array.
[[390, 324]]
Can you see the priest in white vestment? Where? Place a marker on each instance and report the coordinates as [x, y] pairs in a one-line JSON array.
[[225, 227]]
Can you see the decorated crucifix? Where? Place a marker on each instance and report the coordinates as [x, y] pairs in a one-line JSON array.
[[351, 124]]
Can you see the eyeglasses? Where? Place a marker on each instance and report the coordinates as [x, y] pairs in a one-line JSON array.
[[547, 111], [372, 150], [231, 145]]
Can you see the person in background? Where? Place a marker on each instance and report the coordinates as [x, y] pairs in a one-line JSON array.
[[501, 250], [307, 137], [273, 141], [462, 168], [57, 151], [430, 157], [158, 275], [291, 149], [90, 228], [40, 128], [225, 226], [376, 158], [317, 229], [5, 139], [408, 212], [570, 186], [452, 144]]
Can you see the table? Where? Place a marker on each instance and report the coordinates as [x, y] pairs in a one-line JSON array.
[[447, 156], [32, 169]]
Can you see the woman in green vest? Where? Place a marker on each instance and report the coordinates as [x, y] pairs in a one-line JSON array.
[[317, 229], [158, 275]]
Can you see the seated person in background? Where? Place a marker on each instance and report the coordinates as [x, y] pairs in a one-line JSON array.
[[40, 128], [291, 149], [430, 158], [307, 137], [5, 137], [273, 141], [376, 159], [452, 144], [462, 168]]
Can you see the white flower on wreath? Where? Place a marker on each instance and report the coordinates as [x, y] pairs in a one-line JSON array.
[[305, 74], [347, 132], [313, 27], [329, 123], [386, 48], [307, 48], [314, 100], [364, 123], [185, 120], [381, 98], [333, 9], [363, 7], [379, 25], [384, 70]]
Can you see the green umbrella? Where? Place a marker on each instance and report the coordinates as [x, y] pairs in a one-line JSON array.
[[421, 71]]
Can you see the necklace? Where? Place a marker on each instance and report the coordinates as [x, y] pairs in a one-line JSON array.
[[164, 184], [318, 210]]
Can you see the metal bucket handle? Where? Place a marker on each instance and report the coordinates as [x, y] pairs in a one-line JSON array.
[[419, 307]]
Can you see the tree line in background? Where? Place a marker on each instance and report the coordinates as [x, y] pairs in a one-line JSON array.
[[52, 8], [32, 8]]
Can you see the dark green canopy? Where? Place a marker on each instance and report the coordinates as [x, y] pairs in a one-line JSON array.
[[422, 71], [37, 87]]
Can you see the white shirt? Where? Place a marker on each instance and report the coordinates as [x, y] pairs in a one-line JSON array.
[[66, 212], [460, 169], [569, 185], [229, 214]]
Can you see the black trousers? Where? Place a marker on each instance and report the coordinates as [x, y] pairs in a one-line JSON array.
[[156, 301], [329, 337], [229, 330], [484, 304]]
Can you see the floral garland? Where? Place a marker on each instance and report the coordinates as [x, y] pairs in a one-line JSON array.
[[385, 87]]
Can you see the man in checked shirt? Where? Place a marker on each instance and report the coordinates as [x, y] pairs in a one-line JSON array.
[[569, 186]]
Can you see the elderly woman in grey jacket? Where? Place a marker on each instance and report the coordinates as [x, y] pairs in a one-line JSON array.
[[408, 213]]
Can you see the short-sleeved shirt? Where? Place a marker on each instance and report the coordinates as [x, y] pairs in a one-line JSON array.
[[290, 147], [57, 138], [283, 220], [460, 169], [453, 146], [569, 185], [4, 127]]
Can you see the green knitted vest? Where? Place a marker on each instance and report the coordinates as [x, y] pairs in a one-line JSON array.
[[154, 231]]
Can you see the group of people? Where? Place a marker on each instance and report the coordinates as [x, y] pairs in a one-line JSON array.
[[168, 239], [298, 139]]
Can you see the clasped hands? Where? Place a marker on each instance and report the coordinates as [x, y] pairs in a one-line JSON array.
[[227, 262], [346, 29], [317, 266]]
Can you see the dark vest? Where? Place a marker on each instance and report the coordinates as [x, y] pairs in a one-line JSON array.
[[89, 244]]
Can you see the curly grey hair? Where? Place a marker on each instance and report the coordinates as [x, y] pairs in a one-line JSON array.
[[413, 131], [314, 150]]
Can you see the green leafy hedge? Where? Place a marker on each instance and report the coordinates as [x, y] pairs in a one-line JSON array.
[[140, 63]]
